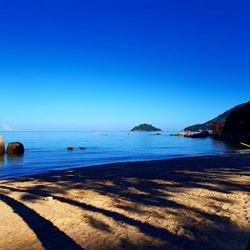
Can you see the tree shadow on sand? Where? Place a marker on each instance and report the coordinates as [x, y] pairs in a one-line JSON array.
[[135, 187], [48, 234]]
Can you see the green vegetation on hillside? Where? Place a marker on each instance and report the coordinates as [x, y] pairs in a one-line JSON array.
[[145, 128], [209, 124], [238, 121]]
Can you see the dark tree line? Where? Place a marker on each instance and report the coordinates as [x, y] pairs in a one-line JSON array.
[[238, 121]]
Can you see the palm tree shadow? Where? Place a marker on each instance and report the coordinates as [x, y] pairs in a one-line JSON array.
[[49, 235], [134, 189]]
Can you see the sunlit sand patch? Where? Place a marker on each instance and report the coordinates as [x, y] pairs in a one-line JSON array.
[[166, 210], [162, 182]]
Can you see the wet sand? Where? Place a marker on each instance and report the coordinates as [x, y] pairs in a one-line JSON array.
[[188, 203]]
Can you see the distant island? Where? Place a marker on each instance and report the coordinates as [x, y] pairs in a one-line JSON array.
[[145, 128], [209, 124]]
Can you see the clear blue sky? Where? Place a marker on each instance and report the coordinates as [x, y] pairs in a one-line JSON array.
[[87, 65]]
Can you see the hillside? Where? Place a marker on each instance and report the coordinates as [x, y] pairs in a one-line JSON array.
[[237, 125], [208, 125], [145, 128]]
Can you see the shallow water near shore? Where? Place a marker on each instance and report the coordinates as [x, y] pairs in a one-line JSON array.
[[47, 151]]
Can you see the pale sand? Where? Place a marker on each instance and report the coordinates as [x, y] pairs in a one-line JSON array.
[[190, 203]]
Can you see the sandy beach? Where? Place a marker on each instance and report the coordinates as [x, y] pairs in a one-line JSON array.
[[188, 203]]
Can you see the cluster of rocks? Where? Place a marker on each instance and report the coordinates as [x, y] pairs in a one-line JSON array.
[[72, 148], [203, 134], [12, 148]]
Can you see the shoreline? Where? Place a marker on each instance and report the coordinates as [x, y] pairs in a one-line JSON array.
[[126, 163], [183, 203]]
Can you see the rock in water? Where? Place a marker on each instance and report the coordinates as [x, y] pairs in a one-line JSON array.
[[2, 149], [15, 148], [203, 134]]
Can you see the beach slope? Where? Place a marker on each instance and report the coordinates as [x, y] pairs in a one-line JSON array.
[[188, 203]]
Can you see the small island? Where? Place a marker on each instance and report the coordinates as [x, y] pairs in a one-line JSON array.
[[145, 128]]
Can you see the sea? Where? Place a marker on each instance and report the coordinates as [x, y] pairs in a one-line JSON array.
[[47, 151]]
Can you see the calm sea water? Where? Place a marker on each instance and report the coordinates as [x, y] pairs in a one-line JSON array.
[[46, 151]]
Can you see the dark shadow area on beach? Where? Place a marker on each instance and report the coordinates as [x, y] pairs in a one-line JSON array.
[[49, 235], [152, 181]]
